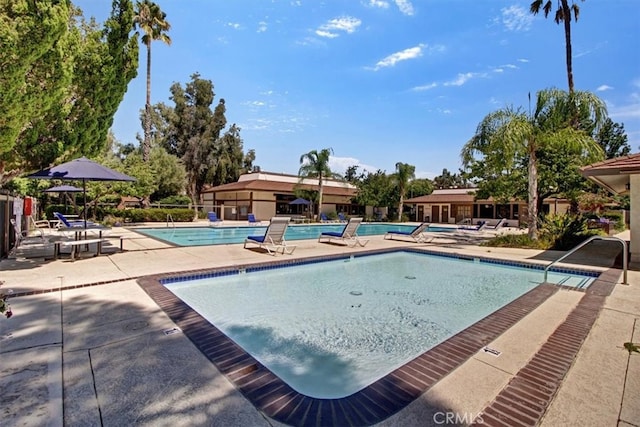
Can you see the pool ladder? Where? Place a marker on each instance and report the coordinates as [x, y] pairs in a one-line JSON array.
[[170, 220], [586, 242]]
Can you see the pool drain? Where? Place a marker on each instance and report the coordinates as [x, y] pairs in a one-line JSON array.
[[410, 277], [356, 293]]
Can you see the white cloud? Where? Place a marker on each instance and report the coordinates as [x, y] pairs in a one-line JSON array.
[[332, 28], [516, 18], [405, 7], [403, 55], [262, 27], [602, 88], [425, 87], [523, 60], [326, 34], [379, 4], [340, 165], [461, 79], [501, 68], [233, 25], [628, 111]]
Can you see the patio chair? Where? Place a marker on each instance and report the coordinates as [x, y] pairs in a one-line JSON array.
[[341, 217], [497, 226], [252, 219], [41, 223], [76, 223], [213, 218], [481, 225], [24, 236], [324, 217], [273, 239], [348, 235], [417, 235]]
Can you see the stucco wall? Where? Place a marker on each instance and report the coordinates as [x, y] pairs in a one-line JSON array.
[[634, 223]]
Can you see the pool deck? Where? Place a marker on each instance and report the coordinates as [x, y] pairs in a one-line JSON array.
[[88, 346]]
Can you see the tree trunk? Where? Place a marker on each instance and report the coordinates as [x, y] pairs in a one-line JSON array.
[[533, 196], [146, 145], [566, 11], [400, 205]]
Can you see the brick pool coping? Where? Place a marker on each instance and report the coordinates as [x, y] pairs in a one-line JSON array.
[[386, 396]]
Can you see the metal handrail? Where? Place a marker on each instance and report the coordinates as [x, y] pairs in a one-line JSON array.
[[170, 218], [589, 240]]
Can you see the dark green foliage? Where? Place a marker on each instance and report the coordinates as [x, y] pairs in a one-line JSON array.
[[564, 232], [449, 180], [616, 217], [516, 241], [175, 200], [66, 90], [33, 36], [375, 189], [613, 139], [420, 187], [151, 214], [557, 232], [194, 133]]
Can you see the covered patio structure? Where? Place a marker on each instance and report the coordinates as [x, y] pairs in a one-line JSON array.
[[621, 175]]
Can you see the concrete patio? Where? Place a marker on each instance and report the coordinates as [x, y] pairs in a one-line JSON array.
[[87, 346]]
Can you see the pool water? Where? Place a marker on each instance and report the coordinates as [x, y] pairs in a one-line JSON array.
[[197, 236], [329, 329]]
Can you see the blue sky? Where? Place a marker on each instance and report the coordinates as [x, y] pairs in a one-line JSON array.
[[381, 81]]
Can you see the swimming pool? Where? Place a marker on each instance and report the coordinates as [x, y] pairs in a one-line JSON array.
[[198, 236], [329, 329]]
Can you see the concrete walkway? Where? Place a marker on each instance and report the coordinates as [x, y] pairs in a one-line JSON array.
[[107, 355]]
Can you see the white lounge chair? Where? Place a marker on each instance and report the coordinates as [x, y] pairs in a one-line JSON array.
[[348, 235], [418, 234], [273, 239]]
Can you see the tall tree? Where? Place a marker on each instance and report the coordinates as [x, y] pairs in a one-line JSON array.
[[404, 174], [375, 189], [315, 164], [32, 33], [508, 135], [448, 180], [195, 134], [153, 22], [563, 14], [64, 78], [613, 139]]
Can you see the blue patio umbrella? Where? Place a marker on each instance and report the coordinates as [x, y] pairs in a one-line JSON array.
[[63, 189], [84, 170]]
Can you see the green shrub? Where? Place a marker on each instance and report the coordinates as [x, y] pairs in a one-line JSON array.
[[175, 200], [517, 241], [158, 215], [617, 218], [563, 232]]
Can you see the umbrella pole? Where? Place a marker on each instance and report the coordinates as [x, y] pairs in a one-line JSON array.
[[84, 191]]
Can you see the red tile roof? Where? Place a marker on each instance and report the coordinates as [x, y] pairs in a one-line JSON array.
[[624, 164], [275, 186]]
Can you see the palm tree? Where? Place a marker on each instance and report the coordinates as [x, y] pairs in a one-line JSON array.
[[315, 164], [563, 14], [404, 173], [152, 21], [509, 134]]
